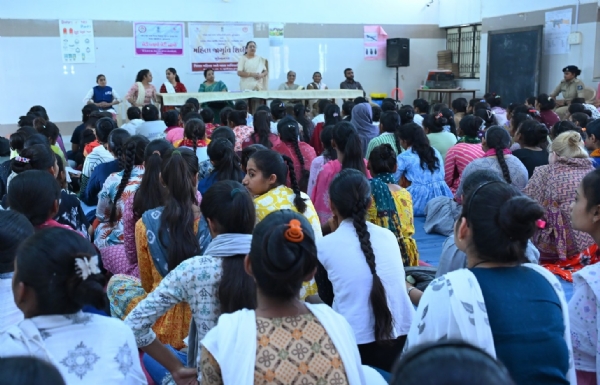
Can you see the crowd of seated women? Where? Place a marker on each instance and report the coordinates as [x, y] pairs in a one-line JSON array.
[[272, 248]]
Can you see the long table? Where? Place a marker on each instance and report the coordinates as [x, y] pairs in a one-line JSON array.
[[445, 95], [179, 99]]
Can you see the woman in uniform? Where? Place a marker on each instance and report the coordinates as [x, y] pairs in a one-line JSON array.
[[570, 88]]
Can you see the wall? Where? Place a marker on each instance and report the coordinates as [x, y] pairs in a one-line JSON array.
[[309, 46], [496, 16], [286, 11]]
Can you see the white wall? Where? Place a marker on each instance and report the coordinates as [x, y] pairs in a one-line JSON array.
[[457, 12], [286, 11]]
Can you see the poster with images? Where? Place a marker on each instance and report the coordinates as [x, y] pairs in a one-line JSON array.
[[77, 41], [276, 34], [155, 38], [556, 31], [218, 45], [374, 42]]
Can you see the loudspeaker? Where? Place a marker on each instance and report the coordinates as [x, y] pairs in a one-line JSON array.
[[398, 52]]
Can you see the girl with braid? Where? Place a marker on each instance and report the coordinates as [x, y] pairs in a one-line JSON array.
[[496, 146], [195, 138], [116, 189], [225, 162], [267, 171], [165, 237], [391, 205], [366, 274], [302, 154]]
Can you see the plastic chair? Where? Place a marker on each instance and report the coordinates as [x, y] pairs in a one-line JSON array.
[[589, 94]]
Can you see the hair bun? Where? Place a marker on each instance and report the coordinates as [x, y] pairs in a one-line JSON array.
[[517, 217]]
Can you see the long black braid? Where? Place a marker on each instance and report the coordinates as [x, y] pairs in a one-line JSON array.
[[298, 200], [133, 155], [498, 139], [383, 316]]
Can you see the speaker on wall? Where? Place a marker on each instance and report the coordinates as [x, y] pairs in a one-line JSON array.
[[398, 52]]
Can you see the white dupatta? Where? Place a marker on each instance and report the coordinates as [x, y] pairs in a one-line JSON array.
[[453, 307], [233, 344], [141, 95], [169, 87]]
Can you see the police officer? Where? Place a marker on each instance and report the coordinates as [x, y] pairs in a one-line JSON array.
[[570, 87]]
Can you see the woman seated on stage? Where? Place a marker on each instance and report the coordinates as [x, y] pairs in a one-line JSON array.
[[103, 96], [171, 86], [142, 81], [211, 85]]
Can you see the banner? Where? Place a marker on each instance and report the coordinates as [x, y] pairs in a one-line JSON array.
[[374, 42], [77, 41], [556, 31], [153, 38], [217, 45]]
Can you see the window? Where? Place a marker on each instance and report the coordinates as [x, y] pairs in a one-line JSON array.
[[464, 42]]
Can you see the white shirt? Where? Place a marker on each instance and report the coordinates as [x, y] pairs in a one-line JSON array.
[[9, 312], [152, 130], [418, 119], [318, 119], [132, 125], [86, 349], [98, 156], [351, 278], [274, 128], [201, 153]]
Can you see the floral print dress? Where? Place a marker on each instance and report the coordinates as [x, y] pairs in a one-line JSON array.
[[107, 234]]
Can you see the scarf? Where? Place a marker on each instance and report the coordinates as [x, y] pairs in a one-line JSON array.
[[362, 120], [190, 143], [470, 140], [595, 153], [492, 152], [387, 212], [159, 248], [141, 96], [169, 87], [226, 245]]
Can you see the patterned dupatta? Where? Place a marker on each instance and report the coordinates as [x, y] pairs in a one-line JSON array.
[[387, 213]]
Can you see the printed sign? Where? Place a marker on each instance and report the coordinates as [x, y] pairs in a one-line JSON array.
[[218, 45], [153, 38], [77, 41], [374, 42]]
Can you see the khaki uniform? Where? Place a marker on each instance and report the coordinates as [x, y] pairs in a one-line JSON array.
[[569, 89]]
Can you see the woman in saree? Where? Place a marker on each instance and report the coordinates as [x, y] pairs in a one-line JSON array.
[[210, 85], [253, 71]]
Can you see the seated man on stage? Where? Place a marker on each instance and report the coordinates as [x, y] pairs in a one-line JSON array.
[[349, 83]]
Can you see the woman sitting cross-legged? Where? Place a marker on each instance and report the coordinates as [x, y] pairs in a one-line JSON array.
[[364, 265], [53, 281], [212, 284], [554, 186], [165, 237], [498, 157], [420, 168], [284, 340], [515, 311], [267, 171], [391, 205]]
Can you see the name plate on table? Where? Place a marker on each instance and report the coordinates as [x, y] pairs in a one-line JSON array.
[[178, 99]]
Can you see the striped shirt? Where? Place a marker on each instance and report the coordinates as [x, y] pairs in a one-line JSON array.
[[457, 158], [386, 137]]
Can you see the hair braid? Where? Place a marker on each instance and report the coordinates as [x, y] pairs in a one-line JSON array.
[[377, 297], [298, 200], [195, 141], [129, 155], [304, 173], [503, 165]]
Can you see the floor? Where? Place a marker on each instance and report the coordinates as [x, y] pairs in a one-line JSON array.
[[430, 249]]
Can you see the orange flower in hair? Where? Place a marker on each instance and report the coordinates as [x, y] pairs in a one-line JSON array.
[[294, 233]]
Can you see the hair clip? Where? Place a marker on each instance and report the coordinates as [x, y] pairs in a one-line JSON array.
[[176, 152], [549, 98], [294, 233], [234, 191], [335, 115], [85, 267], [540, 224], [22, 160], [482, 101], [439, 115], [583, 129], [156, 152]]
